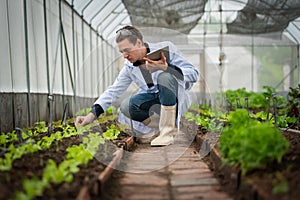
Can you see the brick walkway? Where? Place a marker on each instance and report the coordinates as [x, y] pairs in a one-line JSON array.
[[173, 172]]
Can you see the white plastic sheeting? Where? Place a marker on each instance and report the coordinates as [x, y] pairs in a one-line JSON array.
[[13, 73], [73, 58], [77, 56]]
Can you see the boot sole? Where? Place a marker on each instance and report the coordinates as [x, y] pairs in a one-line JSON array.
[[160, 145]]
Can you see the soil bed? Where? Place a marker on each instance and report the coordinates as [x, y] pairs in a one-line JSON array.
[[276, 181], [32, 165]]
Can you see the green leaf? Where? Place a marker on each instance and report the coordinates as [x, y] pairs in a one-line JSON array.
[[33, 187], [111, 133], [250, 143]]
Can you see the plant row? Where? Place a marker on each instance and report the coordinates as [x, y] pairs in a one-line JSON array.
[[34, 140], [250, 137], [63, 172]]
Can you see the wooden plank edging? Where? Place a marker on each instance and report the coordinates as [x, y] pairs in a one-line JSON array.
[[106, 173]]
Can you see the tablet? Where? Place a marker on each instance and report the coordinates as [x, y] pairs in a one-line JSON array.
[[155, 55]]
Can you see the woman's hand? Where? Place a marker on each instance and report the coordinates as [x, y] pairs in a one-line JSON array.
[[154, 65]]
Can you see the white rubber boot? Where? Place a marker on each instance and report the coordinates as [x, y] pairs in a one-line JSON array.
[[166, 126]]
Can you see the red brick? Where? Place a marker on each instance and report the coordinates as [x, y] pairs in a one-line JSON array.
[[171, 172], [144, 179], [144, 192], [191, 171], [199, 192]]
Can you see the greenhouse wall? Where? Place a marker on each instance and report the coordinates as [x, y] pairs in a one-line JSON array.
[[52, 56], [49, 52]]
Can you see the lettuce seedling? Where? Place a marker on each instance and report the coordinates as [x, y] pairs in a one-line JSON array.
[[111, 133], [251, 144]]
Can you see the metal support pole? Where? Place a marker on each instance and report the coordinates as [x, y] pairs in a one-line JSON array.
[[83, 47], [61, 53], [27, 62], [107, 68], [46, 45], [67, 55], [97, 63], [83, 52], [252, 62], [221, 53], [91, 57], [11, 68], [203, 66], [74, 56], [298, 62], [50, 107], [103, 67]]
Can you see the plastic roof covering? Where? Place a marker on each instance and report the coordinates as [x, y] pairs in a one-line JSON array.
[[265, 16], [178, 15], [239, 16], [105, 16]]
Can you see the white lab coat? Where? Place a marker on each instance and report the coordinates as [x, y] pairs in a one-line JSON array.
[[130, 73]]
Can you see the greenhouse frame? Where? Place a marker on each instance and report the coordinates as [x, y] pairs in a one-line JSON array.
[[87, 113]]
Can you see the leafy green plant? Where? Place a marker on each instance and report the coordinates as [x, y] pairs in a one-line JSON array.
[[82, 112], [111, 110], [41, 127], [79, 153], [32, 188], [8, 138], [63, 172], [284, 121], [189, 116], [270, 91], [111, 133], [212, 124], [249, 143], [29, 145], [69, 131], [85, 129], [46, 141], [262, 116], [236, 98], [94, 140], [294, 102], [15, 153]]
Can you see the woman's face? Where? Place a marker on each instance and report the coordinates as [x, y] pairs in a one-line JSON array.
[[132, 52]]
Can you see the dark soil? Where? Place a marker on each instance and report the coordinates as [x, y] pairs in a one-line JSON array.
[[275, 174], [32, 165], [266, 183]]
